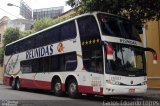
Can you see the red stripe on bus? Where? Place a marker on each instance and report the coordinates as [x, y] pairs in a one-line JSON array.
[[27, 83], [6, 80], [89, 89], [36, 84]]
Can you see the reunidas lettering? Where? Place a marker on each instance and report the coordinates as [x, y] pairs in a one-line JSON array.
[[39, 52], [126, 41]]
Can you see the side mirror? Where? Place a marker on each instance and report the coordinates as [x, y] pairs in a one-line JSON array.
[[108, 50], [153, 53]]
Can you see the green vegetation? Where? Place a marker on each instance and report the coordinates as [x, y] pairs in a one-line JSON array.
[[42, 23], [10, 35], [139, 11], [26, 33]]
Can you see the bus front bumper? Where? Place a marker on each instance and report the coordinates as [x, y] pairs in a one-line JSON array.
[[117, 89]]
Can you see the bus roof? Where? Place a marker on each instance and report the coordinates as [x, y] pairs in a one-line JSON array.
[[45, 29]]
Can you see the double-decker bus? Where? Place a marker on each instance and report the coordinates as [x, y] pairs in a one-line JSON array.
[[94, 53]]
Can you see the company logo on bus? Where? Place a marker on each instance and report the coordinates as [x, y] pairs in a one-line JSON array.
[[126, 41], [39, 52], [60, 47]]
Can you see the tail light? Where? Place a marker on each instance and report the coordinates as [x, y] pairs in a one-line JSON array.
[[109, 51]]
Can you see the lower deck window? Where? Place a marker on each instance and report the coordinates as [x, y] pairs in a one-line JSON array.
[[62, 62]]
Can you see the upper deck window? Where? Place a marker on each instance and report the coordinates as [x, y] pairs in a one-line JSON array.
[[88, 27], [118, 27]]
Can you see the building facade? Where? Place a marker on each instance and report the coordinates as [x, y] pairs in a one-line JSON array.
[[47, 12], [153, 41], [25, 10], [3, 27], [21, 24]]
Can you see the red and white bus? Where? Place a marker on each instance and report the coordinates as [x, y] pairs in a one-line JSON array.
[[94, 53]]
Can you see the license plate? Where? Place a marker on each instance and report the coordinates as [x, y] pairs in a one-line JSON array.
[[131, 91]]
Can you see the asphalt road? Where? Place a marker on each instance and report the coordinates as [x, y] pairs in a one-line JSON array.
[[9, 97]]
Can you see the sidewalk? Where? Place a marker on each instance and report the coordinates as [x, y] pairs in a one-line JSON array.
[[151, 93], [1, 75]]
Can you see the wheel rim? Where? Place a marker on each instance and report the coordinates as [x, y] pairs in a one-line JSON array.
[[73, 88], [57, 87]]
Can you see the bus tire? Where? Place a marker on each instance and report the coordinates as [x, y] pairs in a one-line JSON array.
[[73, 89], [13, 85], [57, 88], [18, 86]]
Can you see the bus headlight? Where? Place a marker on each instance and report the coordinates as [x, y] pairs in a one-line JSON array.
[[144, 83]]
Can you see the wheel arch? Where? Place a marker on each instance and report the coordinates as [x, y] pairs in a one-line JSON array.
[[68, 78], [54, 78]]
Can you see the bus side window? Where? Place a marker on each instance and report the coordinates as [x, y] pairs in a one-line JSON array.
[[63, 62], [54, 63], [37, 65], [68, 31], [26, 66], [52, 35], [70, 61], [88, 27], [40, 40]]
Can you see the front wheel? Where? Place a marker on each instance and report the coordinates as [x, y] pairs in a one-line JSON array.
[[73, 89]]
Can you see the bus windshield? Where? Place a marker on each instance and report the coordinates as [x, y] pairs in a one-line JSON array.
[[127, 60], [118, 27]]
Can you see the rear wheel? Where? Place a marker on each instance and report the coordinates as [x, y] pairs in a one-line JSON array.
[[18, 87], [57, 88], [13, 85], [73, 89]]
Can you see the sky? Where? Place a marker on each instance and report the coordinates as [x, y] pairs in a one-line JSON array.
[[13, 12]]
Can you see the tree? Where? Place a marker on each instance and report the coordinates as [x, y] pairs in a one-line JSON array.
[[10, 35], [138, 11], [71, 3], [42, 23], [26, 33]]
